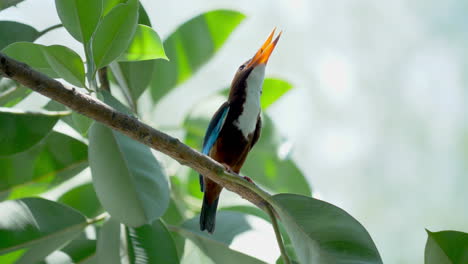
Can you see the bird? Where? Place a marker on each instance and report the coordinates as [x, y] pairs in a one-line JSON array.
[[235, 127]]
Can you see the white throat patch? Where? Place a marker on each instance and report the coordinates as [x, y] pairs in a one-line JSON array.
[[248, 118]]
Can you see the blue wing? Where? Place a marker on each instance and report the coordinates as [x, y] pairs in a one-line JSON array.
[[212, 133]]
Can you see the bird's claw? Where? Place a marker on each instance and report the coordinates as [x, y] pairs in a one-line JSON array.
[[248, 179]]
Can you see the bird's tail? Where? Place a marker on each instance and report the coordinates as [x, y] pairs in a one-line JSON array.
[[208, 214]]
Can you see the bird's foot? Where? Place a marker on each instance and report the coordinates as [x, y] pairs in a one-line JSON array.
[[248, 179]]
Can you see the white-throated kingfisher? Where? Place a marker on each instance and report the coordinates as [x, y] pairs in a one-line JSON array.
[[235, 127]]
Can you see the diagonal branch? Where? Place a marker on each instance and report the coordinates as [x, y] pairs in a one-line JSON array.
[[132, 127]]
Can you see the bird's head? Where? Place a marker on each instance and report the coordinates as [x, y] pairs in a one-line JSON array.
[[252, 72]]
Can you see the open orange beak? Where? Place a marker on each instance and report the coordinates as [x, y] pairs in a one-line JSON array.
[[263, 54]]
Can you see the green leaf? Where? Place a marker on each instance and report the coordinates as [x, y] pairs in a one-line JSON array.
[[151, 244], [114, 33], [143, 18], [229, 224], [322, 232], [273, 89], [250, 210], [55, 61], [83, 198], [14, 95], [21, 130], [446, 247], [31, 54], [206, 250], [127, 177], [137, 76], [108, 245], [77, 121], [12, 31], [108, 5], [116, 104], [66, 63], [7, 3], [254, 211], [191, 46], [173, 215], [52, 161], [37, 225], [145, 45], [79, 17], [81, 123], [81, 250]]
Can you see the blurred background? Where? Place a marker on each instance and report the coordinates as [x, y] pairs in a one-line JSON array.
[[376, 118]]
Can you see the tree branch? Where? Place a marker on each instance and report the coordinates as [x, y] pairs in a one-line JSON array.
[[132, 127]]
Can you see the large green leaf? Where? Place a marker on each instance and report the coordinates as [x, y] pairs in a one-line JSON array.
[[52, 161], [114, 33], [134, 76], [108, 245], [191, 46], [173, 214], [151, 243], [127, 177], [79, 17], [229, 224], [324, 233], [55, 61], [204, 250], [39, 226], [143, 17], [31, 54], [12, 31], [7, 3], [446, 247], [21, 130], [66, 63], [145, 45], [250, 210], [83, 198]]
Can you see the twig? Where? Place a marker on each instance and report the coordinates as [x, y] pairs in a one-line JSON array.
[[98, 218], [279, 239], [103, 79], [43, 32]]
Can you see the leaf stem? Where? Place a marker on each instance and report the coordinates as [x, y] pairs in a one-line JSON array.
[[102, 73], [98, 218], [279, 239], [119, 77], [43, 32]]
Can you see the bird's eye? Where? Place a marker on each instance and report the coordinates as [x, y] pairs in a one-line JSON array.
[[241, 67]]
